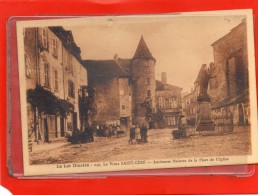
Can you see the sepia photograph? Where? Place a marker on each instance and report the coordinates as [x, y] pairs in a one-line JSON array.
[[115, 93]]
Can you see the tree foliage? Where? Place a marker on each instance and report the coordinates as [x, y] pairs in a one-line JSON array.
[[45, 101], [87, 105], [147, 104]]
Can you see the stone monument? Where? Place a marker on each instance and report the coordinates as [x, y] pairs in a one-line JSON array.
[[203, 119]]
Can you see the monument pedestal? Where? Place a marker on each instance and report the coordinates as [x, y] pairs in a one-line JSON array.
[[204, 122]]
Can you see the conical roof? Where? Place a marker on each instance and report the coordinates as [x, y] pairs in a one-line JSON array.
[[143, 51]]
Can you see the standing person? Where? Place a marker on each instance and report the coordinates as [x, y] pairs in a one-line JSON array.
[[91, 133], [106, 127], [109, 131], [144, 132], [137, 134], [101, 130], [132, 134]]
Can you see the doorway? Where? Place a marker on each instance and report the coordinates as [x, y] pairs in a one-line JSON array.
[[241, 117], [75, 121], [62, 127]]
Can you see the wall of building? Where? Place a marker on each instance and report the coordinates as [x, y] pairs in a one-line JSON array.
[[189, 107], [143, 69], [230, 75], [223, 50], [30, 57], [50, 49], [169, 103], [107, 99], [125, 94]]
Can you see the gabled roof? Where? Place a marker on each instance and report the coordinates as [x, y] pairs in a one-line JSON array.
[[105, 68], [233, 29], [125, 64], [161, 86], [143, 51], [63, 35]]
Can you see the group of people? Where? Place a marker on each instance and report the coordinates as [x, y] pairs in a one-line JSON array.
[[85, 136], [105, 130], [139, 134]]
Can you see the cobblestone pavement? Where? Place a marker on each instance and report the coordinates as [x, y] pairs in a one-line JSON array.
[[160, 145]]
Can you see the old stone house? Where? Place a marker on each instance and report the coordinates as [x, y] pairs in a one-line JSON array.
[[54, 75], [123, 85], [113, 92], [228, 86], [168, 99], [189, 107]]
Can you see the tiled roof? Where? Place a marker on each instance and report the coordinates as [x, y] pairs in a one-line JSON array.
[[227, 101], [63, 35], [105, 68], [161, 86], [143, 51], [125, 64]]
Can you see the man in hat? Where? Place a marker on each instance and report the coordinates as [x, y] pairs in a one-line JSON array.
[[132, 134]]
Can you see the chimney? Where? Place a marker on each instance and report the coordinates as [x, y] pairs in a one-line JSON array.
[[164, 77]]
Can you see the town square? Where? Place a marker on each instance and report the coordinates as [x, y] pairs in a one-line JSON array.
[[124, 89]]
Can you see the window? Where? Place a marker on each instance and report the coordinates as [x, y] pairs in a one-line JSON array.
[[148, 81], [147, 64], [54, 47], [56, 80], [46, 75], [71, 89], [171, 121], [174, 103], [161, 102], [27, 66], [170, 102], [70, 62], [44, 38], [121, 92], [123, 107]]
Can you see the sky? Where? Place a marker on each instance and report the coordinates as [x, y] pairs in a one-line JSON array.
[[180, 44]]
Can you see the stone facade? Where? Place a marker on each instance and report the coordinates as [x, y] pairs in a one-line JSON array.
[[144, 83], [168, 102], [189, 107], [228, 86], [55, 66], [123, 85], [228, 83], [113, 96]]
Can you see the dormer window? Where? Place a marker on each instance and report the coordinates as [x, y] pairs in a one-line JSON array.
[[54, 47], [69, 40], [44, 38]]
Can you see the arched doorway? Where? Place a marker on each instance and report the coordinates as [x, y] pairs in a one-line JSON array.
[[241, 117]]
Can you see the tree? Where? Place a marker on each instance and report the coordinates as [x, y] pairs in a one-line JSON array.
[[159, 119], [87, 105], [147, 104]]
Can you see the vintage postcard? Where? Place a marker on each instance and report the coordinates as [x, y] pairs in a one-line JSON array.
[[111, 93]]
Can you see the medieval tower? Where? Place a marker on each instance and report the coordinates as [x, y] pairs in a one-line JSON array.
[[144, 85]]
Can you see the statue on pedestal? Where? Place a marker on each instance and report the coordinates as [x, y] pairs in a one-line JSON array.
[[203, 79], [204, 122]]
